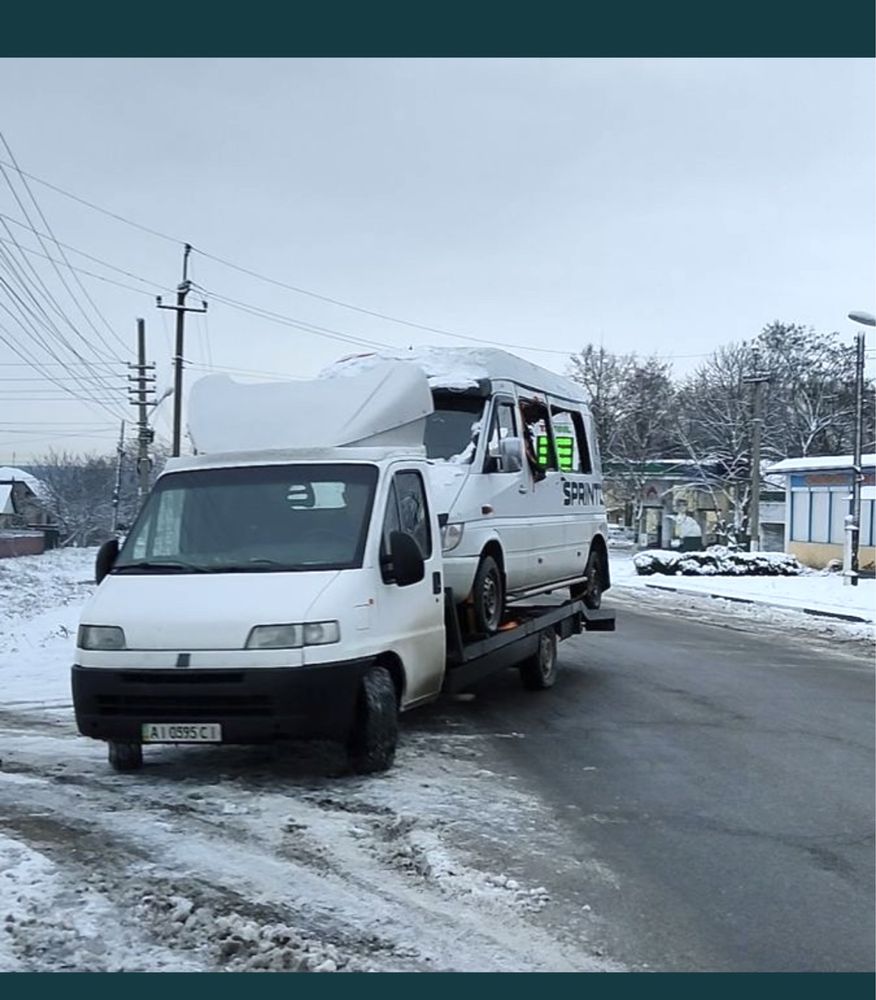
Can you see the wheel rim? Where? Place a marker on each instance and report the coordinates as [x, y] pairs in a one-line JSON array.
[[547, 657], [490, 599], [594, 589]]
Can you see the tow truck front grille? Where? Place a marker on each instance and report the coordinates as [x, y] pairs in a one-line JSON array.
[[195, 695]]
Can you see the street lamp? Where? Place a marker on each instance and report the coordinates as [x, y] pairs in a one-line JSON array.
[[853, 519]]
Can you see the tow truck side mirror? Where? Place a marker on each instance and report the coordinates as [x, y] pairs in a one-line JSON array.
[[408, 565], [106, 557]]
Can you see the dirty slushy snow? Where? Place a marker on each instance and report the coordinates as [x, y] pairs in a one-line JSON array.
[[245, 859]]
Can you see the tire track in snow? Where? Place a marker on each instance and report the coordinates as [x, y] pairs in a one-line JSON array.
[[341, 866]]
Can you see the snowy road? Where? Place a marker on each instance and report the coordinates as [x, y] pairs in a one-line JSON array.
[[245, 858], [696, 793]]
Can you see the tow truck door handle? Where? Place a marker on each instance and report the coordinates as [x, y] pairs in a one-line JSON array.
[[436, 583]]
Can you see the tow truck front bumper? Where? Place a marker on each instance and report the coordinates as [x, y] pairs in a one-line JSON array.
[[253, 705]]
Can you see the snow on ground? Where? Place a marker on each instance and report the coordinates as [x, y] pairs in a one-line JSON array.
[[792, 600], [243, 859]]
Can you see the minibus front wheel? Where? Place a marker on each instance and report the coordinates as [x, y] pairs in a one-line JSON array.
[[488, 596]]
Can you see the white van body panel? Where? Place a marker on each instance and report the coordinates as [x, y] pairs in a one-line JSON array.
[[209, 616], [545, 529]]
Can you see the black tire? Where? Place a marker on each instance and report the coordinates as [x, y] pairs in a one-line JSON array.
[[125, 756], [488, 596], [590, 589], [539, 672], [375, 732]]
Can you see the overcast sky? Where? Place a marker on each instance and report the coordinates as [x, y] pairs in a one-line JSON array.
[[658, 206]]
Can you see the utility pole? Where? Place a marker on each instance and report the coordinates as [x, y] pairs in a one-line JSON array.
[[854, 519], [145, 434], [181, 309], [759, 379], [117, 489]]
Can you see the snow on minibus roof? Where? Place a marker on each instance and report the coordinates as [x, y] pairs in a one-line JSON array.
[[464, 368]]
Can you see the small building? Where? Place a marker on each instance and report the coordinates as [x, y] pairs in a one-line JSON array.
[[817, 494], [670, 502], [26, 526]]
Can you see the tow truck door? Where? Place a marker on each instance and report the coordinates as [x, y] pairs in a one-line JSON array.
[[412, 617]]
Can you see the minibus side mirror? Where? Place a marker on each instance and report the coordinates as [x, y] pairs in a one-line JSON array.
[[408, 565], [106, 557], [511, 454]]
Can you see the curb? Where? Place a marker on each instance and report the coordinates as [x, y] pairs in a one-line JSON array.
[[817, 612]]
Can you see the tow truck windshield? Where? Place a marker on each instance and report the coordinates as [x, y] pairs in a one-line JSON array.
[[254, 519]]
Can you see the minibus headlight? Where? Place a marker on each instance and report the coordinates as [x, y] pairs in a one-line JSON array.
[[451, 536], [321, 633], [100, 637], [274, 637]]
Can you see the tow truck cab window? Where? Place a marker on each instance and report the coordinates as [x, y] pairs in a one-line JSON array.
[[407, 511], [570, 439]]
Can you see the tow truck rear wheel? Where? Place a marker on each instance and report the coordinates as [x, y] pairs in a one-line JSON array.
[[374, 736], [125, 756], [539, 672]]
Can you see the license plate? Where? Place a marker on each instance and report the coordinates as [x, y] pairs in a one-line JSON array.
[[181, 732]]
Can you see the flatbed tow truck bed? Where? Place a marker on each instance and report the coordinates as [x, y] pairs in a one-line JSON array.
[[517, 640]]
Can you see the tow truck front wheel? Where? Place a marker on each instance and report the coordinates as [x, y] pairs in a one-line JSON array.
[[375, 732], [125, 756], [540, 670]]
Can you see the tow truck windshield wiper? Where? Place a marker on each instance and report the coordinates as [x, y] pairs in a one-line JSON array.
[[160, 566]]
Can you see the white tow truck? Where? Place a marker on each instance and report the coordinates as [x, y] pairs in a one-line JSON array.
[[294, 585]]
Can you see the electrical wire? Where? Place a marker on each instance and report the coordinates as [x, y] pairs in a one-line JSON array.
[[15, 272], [55, 264]]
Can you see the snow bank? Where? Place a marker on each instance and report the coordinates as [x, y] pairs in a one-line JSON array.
[[771, 598], [716, 561]]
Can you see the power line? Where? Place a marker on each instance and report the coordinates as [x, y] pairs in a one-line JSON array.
[[55, 264], [83, 253], [97, 208], [82, 270], [63, 253], [15, 272], [387, 317]]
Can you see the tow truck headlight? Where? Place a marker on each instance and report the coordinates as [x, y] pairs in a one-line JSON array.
[[274, 637], [100, 637], [451, 536], [293, 636], [321, 633]]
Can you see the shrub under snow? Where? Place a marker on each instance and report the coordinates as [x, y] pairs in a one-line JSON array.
[[716, 561]]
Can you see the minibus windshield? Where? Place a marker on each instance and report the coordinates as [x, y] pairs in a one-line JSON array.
[[253, 519], [452, 429]]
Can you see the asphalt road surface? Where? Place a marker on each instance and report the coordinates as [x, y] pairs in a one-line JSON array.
[[712, 791]]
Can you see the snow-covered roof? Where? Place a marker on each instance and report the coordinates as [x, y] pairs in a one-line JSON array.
[[383, 405], [461, 368], [9, 474], [822, 463], [6, 499]]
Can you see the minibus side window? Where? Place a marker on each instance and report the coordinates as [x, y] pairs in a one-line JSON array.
[[504, 425], [570, 439], [537, 438]]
